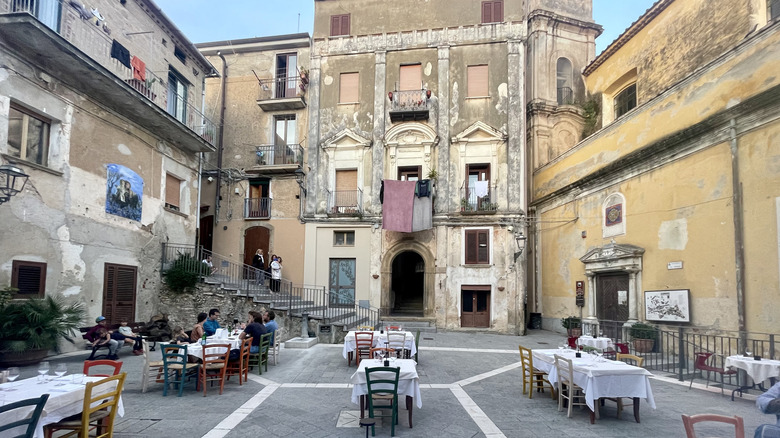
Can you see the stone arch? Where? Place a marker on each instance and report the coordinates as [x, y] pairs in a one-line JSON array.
[[396, 249]]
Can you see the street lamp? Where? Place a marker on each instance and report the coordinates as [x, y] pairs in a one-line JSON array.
[[520, 240], [12, 181], [299, 177]]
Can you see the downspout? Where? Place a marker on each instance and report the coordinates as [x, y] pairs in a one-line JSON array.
[[739, 250], [223, 86], [200, 163]]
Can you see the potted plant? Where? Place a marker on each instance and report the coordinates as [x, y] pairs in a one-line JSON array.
[[30, 328], [643, 337], [573, 326]]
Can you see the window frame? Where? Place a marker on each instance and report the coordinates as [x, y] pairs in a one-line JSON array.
[[471, 253], [337, 30], [179, 54], [169, 177], [44, 135], [18, 265], [620, 102], [176, 79], [405, 171], [345, 234], [471, 86], [495, 17], [342, 96], [564, 79]]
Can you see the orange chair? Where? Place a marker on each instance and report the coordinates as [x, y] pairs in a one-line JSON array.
[[115, 364], [701, 364], [240, 366], [364, 341], [689, 421], [215, 357], [388, 352]]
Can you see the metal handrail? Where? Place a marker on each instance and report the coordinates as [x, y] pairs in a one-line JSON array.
[[274, 154], [345, 201], [281, 87], [257, 208], [409, 100], [471, 203]]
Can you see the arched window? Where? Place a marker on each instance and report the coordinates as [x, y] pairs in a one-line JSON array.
[[564, 82], [614, 215]]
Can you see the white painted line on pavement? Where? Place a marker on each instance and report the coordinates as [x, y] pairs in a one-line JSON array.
[[470, 350], [232, 420], [483, 422]]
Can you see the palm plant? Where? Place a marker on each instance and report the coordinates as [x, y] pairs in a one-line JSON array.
[[38, 323]]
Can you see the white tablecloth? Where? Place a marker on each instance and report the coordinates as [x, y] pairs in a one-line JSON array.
[[64, 401], [408, 380], [197, 349], [379, 341], [599, 379], [600, 343], [758, 370]]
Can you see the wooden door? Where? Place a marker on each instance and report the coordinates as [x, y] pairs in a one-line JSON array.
[[612, 297], [346, 190], [254, 238], [475, 311], [207, 232], [286, 75], [119, 288]]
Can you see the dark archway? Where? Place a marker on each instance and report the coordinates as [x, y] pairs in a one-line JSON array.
[[408, 284]]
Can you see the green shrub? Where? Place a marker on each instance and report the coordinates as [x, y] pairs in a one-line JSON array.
[[571, 322], [184, 273], [643, 331], [38, 323]]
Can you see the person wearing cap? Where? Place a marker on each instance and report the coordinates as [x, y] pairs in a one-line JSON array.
[[100, 335]]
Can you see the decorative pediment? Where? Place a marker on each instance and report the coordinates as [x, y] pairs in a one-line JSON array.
[[480, 132], [612, 251], [346, 139], [412, 133]]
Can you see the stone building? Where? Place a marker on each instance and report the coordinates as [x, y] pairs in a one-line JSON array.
[[436, 90], [670, 211], [100, 108]]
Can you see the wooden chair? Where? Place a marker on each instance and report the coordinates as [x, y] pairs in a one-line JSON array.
[[637, 361], [533, 376], [215, 359], [567, 389], [365, 328], [31, 420], [572, 341], [417, 345], [689, 421], [176, 369], [364, 341], [701, 364], [98, 413], [388, 352], [261, 357], [115, 364], [240, 366], [382, 384], [393, 327], [276, 346], [153, 369], [397, 341]]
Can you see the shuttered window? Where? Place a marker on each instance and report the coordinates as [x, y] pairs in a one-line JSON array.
[[172, 192], [478, 81], [29, 278], [119, 291], [339, 25], [411, 77], [493, 11], [348, 87], [477, 246]]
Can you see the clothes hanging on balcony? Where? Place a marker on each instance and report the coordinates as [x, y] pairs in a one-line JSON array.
[[398, 205], [423, 188], [139, 68], [422, 216], [83, 12], [382, 192], [480, 188], [121, 54]]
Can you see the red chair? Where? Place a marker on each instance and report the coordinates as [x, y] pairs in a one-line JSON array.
[[622, 348], [115, 364], [364, 342], [689, 421], [573, 342], [701, 364]]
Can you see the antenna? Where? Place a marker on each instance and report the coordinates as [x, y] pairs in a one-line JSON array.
[[299, 23]]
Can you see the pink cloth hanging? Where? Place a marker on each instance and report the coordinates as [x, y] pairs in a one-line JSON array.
[[398, 205]]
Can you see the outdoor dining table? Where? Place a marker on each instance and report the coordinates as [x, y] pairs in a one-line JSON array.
[[408, 383], [599, 343], [64, 400], [196, 348], [757, 370], [606, 378], [379, 341]]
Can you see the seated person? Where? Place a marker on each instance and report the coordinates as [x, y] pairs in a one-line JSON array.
[[197, 329], [270, 324], [254, 329], [207, 261], [99, 335], [769, 403], [211, 325], [125, 334], [179, 336]]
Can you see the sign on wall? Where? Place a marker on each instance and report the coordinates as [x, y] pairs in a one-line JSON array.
[[124, 191], [667, 305]]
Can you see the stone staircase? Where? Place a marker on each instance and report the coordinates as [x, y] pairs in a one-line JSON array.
[[410, 323]]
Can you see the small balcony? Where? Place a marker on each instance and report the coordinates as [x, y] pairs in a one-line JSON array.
[[345, 202], [478, 200], [257, 208], [284, 93], [565, 96], [284, 157], [409, 105]]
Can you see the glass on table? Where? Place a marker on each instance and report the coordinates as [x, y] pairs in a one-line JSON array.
[[13, 374], [43, 370], [60, 371]]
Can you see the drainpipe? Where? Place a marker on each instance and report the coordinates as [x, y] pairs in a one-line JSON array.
[[739, 250], [223, 86], [200, 163]]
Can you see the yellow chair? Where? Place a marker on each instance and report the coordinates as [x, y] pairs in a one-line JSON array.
[[638, 361], [363, 328], [532, 375], [98, 413]]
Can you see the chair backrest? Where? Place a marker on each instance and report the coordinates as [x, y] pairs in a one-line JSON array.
[[565, 370], [265, 342], [572, 341], [701, 362], [639, 360], [246, 345], [96, 398], [364, 339], [417, 344], [382, 380], [393, 327], [387, 351], [115, 364], [396, 340], [365, 328], [622, 348], [215, 353], [172, 353], [689, 421], [30, 420], [526, 358]]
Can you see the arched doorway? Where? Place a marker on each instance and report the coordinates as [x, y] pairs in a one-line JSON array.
[[408, 284]]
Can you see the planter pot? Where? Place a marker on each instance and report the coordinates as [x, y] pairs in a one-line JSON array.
[[22, 358], [644, 345], [574, 332]]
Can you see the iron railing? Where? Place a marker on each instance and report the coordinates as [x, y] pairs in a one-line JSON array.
[[410, 100], [274, 154], [565, 96], [345, 202], [281, 88], [476, 199], [257, 208]]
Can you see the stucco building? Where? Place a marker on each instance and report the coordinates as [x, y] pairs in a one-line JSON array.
[[100, 108], [670, 211]]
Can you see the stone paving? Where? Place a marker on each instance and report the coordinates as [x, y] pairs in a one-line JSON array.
[[470, 385]]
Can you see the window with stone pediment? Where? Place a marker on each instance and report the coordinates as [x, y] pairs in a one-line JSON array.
[[614, 215]]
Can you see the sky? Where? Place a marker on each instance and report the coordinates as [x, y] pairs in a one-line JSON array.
[[209, 20]]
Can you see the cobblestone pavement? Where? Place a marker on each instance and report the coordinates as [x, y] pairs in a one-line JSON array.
[[470, 386]]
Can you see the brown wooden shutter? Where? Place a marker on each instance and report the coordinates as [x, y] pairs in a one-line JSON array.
[[172, 189], [493, 11], [348, 87], [29, 278], [487, 12], [483, 249], [478, 81], [471, 246], [411, 77], [119, 290], [345, 24], [498, 11], [339, 25]]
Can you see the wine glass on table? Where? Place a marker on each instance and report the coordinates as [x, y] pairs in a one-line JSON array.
[[13, 374], [60, 371], [43, 370]]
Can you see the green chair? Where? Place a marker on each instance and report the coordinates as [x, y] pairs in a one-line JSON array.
[[176, 369], [30, 421], [382, 384], [261, 358], [417, 345]]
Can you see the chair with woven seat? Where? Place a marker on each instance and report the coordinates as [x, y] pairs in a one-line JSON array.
[[387, 352], [637, 361], [567, 389], [382, 384], [364, 341], [152, 368], [240, 366], [176, 369], [690, 420], [701, 364], [214, 365], [111, 364], [30, 420], [365, 328], [100, 407], [261, 357], [532, 376], [397, 341]]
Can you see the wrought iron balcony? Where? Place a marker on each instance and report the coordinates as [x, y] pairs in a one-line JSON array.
[[478, 200], [285, 155], [565, 96], [257, 208], [285, 93], [409, 105], [345, 202]]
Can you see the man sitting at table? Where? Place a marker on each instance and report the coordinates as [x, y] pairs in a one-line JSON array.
[[254, 329], [769, 403], [197, 329], [99, 335], [270, 324], [211, 325]]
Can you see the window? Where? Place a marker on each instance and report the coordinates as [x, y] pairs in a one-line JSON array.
[[564, 82], [348, 87], [477, 247], [177, 96], [774, 9], [47, 12], [409, 173], [410, 78], [172, 192], [286, 83], [625, 101], [342, 282], [343, 238], [493, 11], [29, 278], [345, 199], [339, 25], [477, 81], [258, 206], [28, 135], [179, 54], [119, 290]]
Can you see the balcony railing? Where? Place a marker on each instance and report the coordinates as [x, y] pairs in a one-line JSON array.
[[478, 199], [284, 93], [409, 105], [345, 202], [279, 154], [565, 96], [257, 208]]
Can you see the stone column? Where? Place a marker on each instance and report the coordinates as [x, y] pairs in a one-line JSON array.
[[591, 318], [378, 147], [443, 194], [516, 154], [633, 304], [315, 178]]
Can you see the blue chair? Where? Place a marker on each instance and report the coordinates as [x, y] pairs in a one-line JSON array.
[[382, 384], [176, 369], [31, 421]]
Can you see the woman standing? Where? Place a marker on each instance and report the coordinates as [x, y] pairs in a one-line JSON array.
[[258, 262], [276, 273]]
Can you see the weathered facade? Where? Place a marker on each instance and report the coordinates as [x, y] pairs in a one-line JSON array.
[[680, 188], [112, 155], [433, 90]]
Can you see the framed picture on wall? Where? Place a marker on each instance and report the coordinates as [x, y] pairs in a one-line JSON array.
[[667, 305]]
